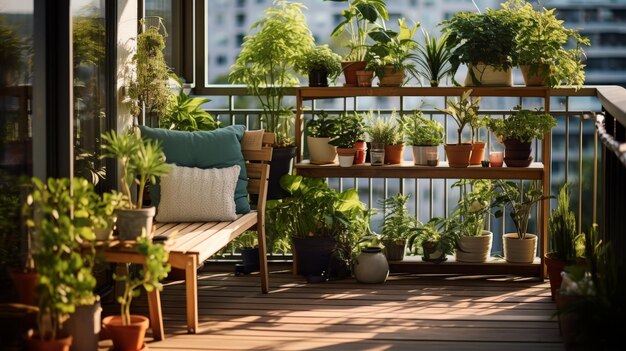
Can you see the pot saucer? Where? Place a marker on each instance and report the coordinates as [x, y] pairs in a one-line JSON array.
[[518, 163]]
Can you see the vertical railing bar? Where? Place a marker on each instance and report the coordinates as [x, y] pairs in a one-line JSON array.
[[580, 175], [417, 196], [371, 192], [567, 117], [595, 170], [445, 181]]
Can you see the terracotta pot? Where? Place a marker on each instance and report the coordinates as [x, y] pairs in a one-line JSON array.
[[361, 152], [349, 71], [346, 156], [487, 75], [25, 282], [421, 153], [318, 78], [554, 268], [395, 250], [126, 337], [61, 343], [515, 150], [458, 155], [320, 151], [518, 250], [391, 78], [364, 78], [131, 223], [393, 154], [534, 80], [474, 249], [478, 152]]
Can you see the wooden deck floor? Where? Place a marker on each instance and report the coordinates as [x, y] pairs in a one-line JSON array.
[[406, 313]]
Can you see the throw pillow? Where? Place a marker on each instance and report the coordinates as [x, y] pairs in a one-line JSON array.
[[191, 194]]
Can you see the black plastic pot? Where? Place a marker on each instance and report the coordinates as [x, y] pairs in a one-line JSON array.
[[318, 78], [313, 255], [279, 166], [517, 150], [250, 260]]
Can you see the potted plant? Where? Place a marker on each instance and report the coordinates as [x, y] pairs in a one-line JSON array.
[[519, 247], [540, 47], [463, 111], [141, 160], [433, 59], [387, 132], [185, 113], [126, 330], [485, 43], [423, 134], [563, 239], [436, 238], [359, 18], [392, 54], [320, 131], [60, 215], [350, 131], [247, 244], [320, 63], [324, 225], [105, 214], [397, 225], [147, 86], [266, 66], [518, 131]]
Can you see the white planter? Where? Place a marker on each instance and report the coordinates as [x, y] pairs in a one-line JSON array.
[[519, 251], [346, 161], [320, 151], [474, 249], [488, 75], [371, 266], [420, 154]]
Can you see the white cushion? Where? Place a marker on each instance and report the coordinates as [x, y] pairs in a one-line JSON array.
[[198, 195]]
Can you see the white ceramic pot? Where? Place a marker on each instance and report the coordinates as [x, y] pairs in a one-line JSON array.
[[489, 76], [346, 161], [517, 250], [320, 151], [420, 154], [371, 266], [474, 248]]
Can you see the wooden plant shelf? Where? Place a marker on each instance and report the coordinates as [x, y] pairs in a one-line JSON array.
[[408, 170], [493, 266]]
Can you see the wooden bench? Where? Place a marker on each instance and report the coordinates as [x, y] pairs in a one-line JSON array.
[[192, 243]]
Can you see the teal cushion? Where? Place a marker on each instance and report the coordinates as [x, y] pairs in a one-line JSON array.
[[219, 148]]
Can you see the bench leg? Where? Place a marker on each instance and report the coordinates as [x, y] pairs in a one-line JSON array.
[[191, 284], [156, 317], [263, 259]]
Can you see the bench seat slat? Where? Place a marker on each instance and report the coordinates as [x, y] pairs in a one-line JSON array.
[[188, 240], [208, 248]]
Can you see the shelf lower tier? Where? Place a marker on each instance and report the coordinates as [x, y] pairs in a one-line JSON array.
[[408, 170], [494, 266]]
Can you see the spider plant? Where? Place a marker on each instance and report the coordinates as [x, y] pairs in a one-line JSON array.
[[434, 59]]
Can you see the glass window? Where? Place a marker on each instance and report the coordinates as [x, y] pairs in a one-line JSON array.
[[162, 9], [241, 20]]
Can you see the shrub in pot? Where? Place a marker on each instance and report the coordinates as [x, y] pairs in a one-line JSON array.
[[60, 214], [423, 134], [397, 226], [359, 18], [141, 161], [433, 59], [518, 131], [519, 247], [126, 330], [320, 131], [320, 63], [435, 238], [387, 132], [392, 56], [540, 47], [463, 111], [186, 113], [485, 43], [350, 131]]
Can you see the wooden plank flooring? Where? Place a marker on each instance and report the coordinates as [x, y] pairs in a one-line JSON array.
[[406, 313]]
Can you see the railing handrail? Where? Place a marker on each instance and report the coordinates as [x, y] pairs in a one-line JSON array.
[[613, 99]]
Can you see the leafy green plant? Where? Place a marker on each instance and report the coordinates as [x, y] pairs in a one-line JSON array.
[[60, 214], [350, 130], [266, 63], [562, 230], [438, 231], [397, 221], [385, 131], [104, 209], [521, 202], [11, 60], [392, 49], [141, 160], [155, 269], [320, 58], [540, 43], [186, 113], [463, 111], [523, 125], [475, 205], [487, 37], [323, 126], [147, 85], [433, 58], [421, 131], [359, 19]]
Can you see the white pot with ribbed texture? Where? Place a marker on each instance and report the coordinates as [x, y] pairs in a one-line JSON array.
[[519, 250], [320, 151], [488, 75], [474, 249]]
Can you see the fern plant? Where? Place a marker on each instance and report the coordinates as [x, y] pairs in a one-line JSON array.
[[562, 229], [385, 131], [397, 222]]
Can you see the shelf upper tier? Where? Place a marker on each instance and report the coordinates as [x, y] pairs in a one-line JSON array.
[[307, 93], [408, 170]]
